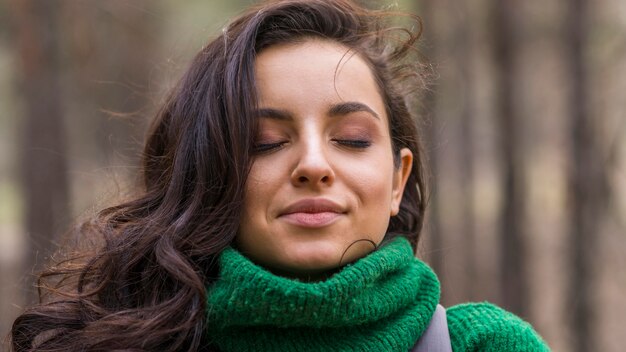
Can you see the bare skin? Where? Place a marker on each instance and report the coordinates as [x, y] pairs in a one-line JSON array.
[[323, 184]]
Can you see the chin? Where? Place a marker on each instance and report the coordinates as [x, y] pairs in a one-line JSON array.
[[319, 259], [312, 257]]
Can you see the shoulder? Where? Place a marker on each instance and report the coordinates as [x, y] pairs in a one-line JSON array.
[[487, 327]]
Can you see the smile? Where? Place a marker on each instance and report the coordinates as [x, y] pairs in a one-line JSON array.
[[313, 212], [311, 219]]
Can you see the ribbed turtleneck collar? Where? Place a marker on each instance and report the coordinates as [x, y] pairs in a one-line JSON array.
[[382, 302]]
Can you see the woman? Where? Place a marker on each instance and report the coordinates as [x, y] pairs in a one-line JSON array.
[[283, 203]]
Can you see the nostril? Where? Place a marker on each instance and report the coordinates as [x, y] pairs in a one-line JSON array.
[[302, 179], [325, 179]]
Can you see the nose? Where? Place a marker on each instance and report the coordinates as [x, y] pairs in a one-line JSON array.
[[313, 168]]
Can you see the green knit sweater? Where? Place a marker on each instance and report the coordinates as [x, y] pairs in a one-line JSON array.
[[382, 302]]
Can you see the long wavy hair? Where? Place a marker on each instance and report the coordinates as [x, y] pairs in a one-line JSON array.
[[143, 287]]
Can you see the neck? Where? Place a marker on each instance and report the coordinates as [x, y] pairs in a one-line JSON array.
[[380, 302]]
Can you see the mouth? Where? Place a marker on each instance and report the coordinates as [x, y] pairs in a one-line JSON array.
[[312, 213]]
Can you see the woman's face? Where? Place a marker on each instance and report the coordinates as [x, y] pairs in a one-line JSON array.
[[323, 176]]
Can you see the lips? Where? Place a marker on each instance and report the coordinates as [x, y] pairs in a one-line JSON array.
[[313, 212]]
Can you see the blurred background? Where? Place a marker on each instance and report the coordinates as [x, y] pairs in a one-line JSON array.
[[525, 127]]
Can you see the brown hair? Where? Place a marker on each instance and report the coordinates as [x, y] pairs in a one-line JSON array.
[[143, 289]]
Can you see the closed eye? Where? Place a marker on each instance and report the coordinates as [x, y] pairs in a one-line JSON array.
[[354, 143], [260, 148]]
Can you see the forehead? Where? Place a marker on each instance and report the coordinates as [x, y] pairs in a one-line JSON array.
[[315, 71], [326, 51]]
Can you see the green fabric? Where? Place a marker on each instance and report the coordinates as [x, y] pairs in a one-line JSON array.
[[487, 328], [382, 302]]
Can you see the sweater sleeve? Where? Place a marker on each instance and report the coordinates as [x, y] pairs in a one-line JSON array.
[[485, 327]]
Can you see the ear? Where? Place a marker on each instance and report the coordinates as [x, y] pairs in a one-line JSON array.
[[400, 176]]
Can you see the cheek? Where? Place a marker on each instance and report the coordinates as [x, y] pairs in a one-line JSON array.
[[372, 180], [378, 165], [260, 176], [253, 222], [263, 182]]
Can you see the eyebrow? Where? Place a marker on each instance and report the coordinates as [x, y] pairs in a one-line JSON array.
[[274, 114], [335, 110], [350, 107]]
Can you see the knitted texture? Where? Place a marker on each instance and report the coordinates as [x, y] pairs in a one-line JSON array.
[[382, 302], [487, 328]]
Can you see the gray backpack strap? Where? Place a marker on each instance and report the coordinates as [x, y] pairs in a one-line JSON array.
[[436, 338]]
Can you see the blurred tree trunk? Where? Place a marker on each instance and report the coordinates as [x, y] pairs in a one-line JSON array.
[[426, 9], [513, 249], [588, 184], [464, 61], [43, 160], [114, 88]]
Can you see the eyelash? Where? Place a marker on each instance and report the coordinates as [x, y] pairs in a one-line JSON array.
[[267, 147], [354, 143], [350, 143]]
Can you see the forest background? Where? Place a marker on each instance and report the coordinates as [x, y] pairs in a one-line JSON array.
[[525, 126]]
